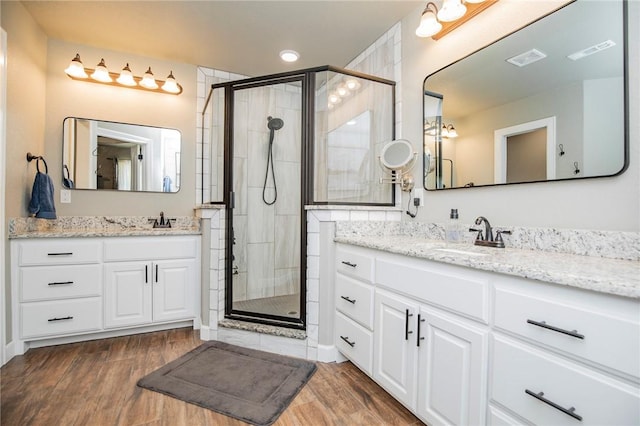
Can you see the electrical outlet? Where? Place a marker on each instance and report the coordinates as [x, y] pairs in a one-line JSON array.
[[65, 196], [418, 194]]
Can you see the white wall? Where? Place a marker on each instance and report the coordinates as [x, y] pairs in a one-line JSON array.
[[601, 203]]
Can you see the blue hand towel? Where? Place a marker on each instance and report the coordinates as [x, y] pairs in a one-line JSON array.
[[41, 204]]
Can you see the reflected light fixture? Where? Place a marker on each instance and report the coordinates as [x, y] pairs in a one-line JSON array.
[[436, 23], [101, 75], [343, 89]]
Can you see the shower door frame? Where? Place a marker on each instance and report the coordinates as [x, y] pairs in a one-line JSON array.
[[228, 197]]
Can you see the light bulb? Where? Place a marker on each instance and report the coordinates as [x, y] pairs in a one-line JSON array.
[[451, 131], [76, 68], [289, 55], [445, 132], [451, 10], [352, 84], [126, 77], [429, 24], [170, 85], [342, 91], [101, 73], [148, 81], [334, 98]]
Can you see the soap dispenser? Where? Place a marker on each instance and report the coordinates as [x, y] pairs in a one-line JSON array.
[[452, 231]]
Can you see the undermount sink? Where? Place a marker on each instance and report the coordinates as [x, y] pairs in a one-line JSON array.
[[458, 251]]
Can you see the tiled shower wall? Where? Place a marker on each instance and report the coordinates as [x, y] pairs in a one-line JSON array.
[[382, 59]]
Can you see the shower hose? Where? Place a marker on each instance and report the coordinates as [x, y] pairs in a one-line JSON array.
[[273, 173]]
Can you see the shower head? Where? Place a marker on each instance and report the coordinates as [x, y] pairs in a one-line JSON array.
[[274, 123]]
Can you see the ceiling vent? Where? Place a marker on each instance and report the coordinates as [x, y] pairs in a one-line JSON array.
[[527, 58], [591, 50]]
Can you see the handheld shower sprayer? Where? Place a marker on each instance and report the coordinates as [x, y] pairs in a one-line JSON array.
[[273, 124]]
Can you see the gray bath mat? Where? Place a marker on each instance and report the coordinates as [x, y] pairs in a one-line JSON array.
[[250, 385]]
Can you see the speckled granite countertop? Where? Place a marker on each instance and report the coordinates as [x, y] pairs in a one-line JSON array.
[[614, 276], [99, 226]]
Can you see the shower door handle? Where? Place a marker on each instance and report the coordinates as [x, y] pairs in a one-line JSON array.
[[232, 200]]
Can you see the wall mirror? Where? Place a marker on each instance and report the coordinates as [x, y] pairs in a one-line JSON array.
[[547, 102], [118, 156]]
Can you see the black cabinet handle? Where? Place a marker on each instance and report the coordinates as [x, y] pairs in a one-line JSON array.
[[346, 339], [573, 333], [352, 301], [406, 324], [420, 320], [146, 273], [353, 265], [60, 319], [156, 272], [60, 254], [568, 411], [61, 283]]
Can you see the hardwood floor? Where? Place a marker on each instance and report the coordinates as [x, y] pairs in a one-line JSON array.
[[94, 383]]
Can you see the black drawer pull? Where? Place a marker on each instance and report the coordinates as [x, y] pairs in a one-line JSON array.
[[61, 283], [568, 411], [60, 254], [420, 320], [573, 333], [146, 273], [353, 265], [406, 324], [156, 272], [346, 339], [352, 301], [60, 319]]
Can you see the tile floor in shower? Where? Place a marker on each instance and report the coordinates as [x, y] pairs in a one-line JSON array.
[[286, 306]]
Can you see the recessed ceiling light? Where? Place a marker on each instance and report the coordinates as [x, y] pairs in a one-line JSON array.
[[591, 50], [289, 55], [527, 58]]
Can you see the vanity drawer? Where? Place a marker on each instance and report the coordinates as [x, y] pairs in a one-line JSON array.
[[355, 299], [463, 291], [355, 263], [60, 282], [41, 319], [601, 335], [598, 399], [354, 342], [58, 252], [151, 248]]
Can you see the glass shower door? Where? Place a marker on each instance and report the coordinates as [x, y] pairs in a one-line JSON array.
[[267, 210]]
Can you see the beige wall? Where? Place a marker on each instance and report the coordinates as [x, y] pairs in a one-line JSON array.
[[602, 203], [70, 98], [26, 81]]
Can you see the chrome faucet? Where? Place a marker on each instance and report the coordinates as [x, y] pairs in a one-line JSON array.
[[487, 239]]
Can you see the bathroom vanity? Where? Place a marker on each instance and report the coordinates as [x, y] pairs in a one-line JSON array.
[[470, 335], [71, 286]]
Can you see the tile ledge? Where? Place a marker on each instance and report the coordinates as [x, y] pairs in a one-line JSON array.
[[263, 329]]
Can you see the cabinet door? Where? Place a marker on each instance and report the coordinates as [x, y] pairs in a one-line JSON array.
[[452, 370], [127, 294], [395, 346], [174, 290]]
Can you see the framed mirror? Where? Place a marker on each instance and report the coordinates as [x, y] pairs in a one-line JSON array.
[[103, 155], [547, 102]]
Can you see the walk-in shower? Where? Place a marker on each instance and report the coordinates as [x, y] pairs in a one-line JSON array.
[[273, 145]]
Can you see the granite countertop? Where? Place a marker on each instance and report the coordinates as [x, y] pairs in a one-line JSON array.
[[606, 275], [99, 226]]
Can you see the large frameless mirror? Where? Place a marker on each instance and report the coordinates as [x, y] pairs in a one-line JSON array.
[[547, 102], [118, 156]]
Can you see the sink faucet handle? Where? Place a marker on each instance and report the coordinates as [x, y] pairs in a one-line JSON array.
[[499, 240], [479, 236]]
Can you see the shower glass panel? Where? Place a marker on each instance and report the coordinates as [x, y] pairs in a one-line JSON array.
[[267, 166], [354, 118]]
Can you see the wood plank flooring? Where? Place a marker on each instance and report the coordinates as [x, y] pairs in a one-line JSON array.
[[94, 383]]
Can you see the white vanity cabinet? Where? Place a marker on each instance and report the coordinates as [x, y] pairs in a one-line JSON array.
[[149, 280], [57, 287], [354, 306], [63, 288], [457, 345]]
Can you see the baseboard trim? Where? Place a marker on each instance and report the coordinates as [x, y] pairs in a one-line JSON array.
[[9, 352], [329, 353]]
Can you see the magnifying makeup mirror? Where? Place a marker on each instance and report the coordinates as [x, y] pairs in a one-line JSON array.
[[398, 158]]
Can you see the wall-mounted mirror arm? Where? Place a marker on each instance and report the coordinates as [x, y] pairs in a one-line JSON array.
[[397, 159]]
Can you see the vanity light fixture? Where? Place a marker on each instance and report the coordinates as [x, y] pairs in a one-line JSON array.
[[436, 23], [447, 130], [343, 90], [101, 75]]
